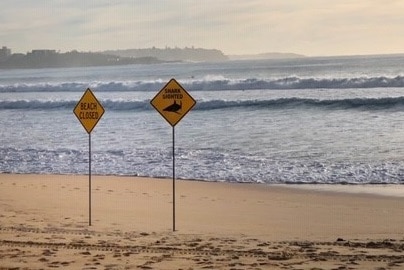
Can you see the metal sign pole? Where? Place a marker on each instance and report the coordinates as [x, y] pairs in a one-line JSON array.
[[173, 103], [173, 179], [89, 177], [89, 111]]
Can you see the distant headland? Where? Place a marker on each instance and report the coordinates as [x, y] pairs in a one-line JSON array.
[[54, 59], [173, 54], [45, 58], [271, 55]]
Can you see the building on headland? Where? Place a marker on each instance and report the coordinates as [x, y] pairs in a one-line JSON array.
[[5, 52], [41, 53]]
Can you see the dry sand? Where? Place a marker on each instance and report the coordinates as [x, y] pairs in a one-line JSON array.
[[44, 223]]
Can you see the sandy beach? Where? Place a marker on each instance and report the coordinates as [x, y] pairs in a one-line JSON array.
[[44, 223]]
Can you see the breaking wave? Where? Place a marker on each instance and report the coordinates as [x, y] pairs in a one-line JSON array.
[[282, 103], [212, 84], [259, 170]]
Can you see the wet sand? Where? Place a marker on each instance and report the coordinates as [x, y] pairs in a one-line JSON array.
[[44, 223]]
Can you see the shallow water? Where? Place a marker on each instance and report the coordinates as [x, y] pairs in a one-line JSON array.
[[311, 120]]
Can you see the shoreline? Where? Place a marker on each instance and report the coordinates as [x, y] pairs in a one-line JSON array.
[[44, 220], [256, 198], [377, 189]]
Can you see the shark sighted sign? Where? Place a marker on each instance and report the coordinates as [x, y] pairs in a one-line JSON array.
[[173, 102]]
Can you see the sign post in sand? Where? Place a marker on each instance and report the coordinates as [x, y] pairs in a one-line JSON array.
[[173, 103], [89, 111]]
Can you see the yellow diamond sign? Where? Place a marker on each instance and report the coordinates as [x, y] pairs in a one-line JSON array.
[[173, 102], [88, 110]]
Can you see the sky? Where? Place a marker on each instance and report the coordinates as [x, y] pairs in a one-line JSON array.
[[308, 27]]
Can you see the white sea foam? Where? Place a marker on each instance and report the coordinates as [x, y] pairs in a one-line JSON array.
[[292, 121], [212, 83], [281, 103]]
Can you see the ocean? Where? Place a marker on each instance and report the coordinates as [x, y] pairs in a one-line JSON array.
[[333, 120]]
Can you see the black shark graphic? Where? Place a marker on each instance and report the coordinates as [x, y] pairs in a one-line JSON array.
[[174, 107]]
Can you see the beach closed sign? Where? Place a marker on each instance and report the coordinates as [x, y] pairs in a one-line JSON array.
[[173, 102], [88, 110]]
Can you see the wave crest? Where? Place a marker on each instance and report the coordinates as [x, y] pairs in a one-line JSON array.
[[214, 83], [282, 103]]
